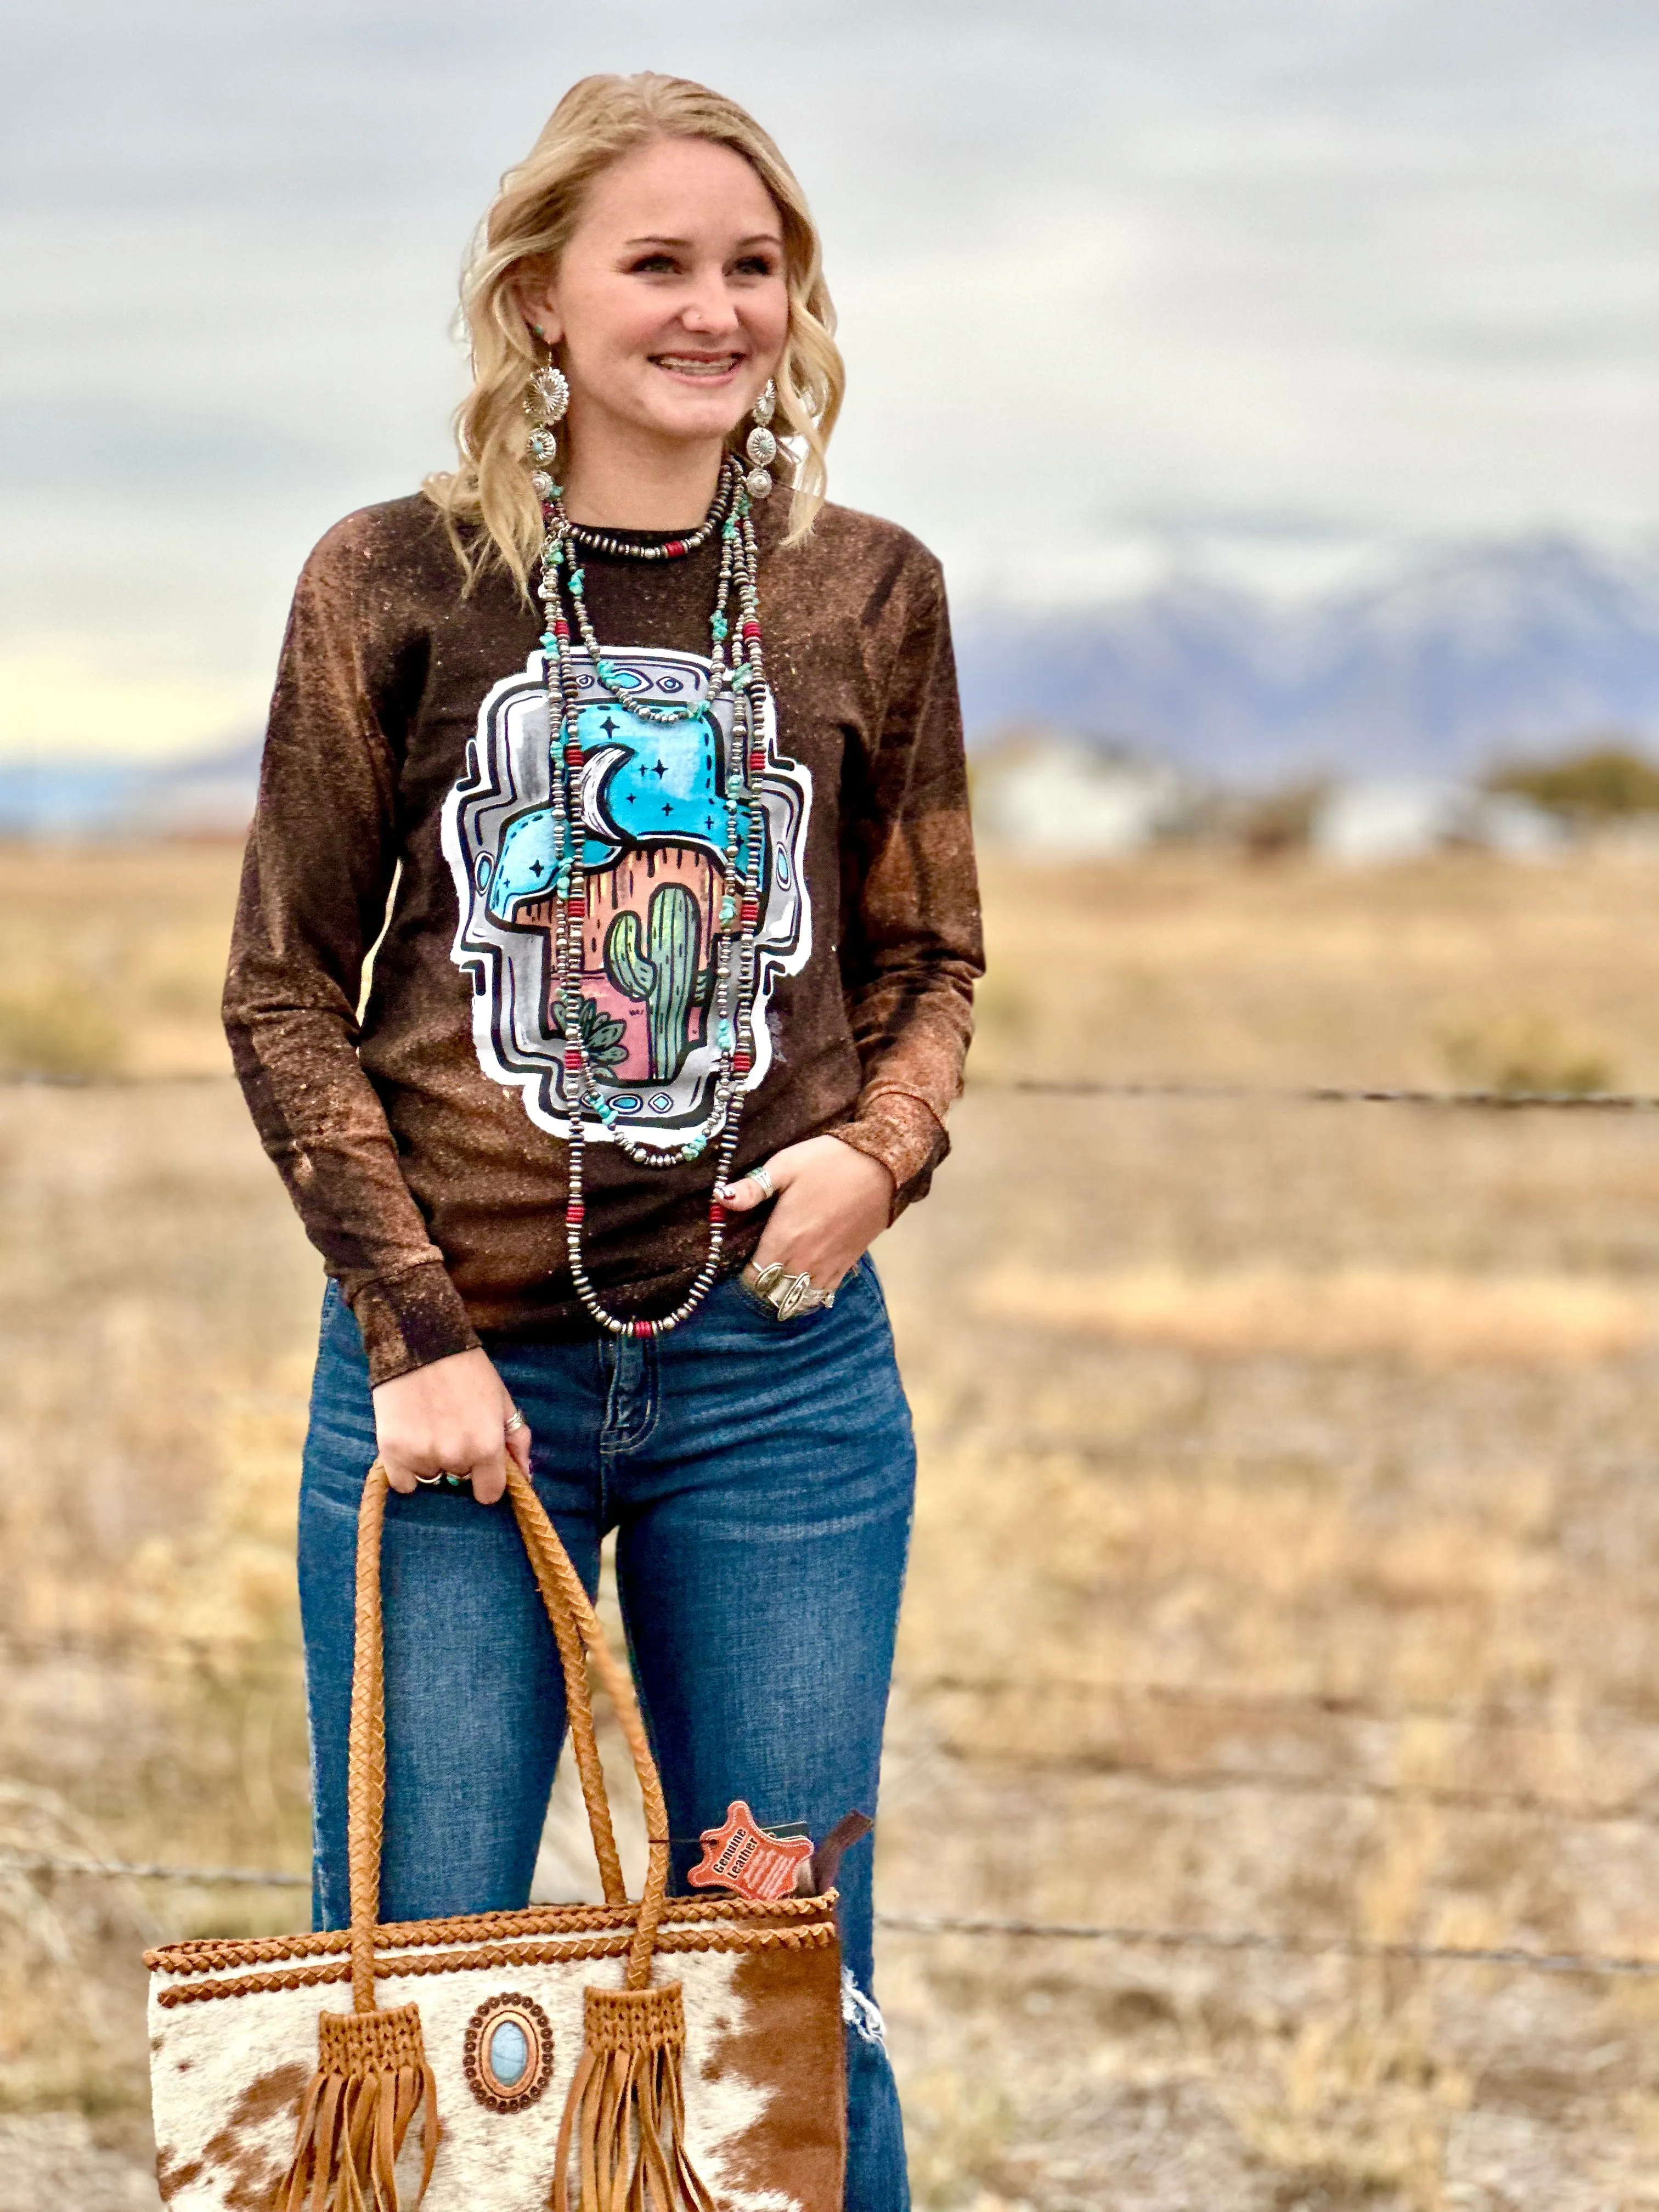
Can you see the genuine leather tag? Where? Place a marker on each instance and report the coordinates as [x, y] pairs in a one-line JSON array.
[[741, 1856]]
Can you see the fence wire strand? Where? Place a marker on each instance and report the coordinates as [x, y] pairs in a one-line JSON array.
[[1045, 1086], [59, 1862], [1326, 1094], [1127, 1934]]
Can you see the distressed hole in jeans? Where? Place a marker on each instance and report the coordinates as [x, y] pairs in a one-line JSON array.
[[860, 2011]]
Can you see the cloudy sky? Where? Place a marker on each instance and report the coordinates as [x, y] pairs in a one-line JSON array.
[[1247, 283]]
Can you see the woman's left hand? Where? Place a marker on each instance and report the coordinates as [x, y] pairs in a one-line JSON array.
[[832, 1203]]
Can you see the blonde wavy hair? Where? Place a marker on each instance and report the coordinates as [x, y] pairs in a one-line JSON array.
[[522, 237]]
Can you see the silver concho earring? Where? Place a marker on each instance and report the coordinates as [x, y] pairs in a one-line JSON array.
[[545, 403], [760, 446]]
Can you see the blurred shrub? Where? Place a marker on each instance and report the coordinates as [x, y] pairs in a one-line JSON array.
[[957, 2133], [1595, 783], [60, 1031], [1269, 823], [1517, 1053]]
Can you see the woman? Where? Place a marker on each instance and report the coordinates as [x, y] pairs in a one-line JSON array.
[[638, 797]]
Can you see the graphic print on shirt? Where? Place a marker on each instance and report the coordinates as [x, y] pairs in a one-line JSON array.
[[650, 818]]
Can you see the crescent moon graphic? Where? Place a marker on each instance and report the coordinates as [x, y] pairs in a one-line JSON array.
[[590, 805]]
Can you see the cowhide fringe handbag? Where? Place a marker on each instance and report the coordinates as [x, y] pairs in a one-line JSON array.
[[552, 2059]]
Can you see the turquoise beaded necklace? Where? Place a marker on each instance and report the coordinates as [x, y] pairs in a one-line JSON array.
[[736, 666]]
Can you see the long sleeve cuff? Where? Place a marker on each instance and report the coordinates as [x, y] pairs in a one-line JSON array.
[[409, 1319], [904, 1134]]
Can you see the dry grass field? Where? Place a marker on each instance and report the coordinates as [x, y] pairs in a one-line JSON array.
[[1288, 1529]]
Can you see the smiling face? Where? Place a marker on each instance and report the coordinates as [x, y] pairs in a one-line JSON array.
[[669, 307]]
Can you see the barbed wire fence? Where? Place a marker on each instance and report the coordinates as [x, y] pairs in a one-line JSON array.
[[226, 1659], [1125, 1934], [1049, 1086], [199, 1654]]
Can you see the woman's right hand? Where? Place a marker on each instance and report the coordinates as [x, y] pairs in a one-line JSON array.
[[449, 1418]]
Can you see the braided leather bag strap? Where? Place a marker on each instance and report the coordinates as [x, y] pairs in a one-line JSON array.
[[366, 1747], [580, 1637], [561, 1589]]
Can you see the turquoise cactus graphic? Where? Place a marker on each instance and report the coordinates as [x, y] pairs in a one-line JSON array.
[[663, 972], [603, 1036]]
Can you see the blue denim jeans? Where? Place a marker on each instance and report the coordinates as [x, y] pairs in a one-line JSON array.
[[760, 1477]]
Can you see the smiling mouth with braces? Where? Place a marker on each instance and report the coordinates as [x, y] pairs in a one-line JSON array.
[[681, 364]]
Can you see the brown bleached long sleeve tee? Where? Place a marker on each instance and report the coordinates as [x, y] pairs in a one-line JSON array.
[[403, 807]]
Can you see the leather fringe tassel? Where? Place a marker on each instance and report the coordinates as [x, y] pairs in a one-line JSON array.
[[625, 2116], [372, 2078]]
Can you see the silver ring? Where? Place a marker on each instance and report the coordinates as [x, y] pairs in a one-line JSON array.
[[788, 1295], [516, 1422], [762, 1175]]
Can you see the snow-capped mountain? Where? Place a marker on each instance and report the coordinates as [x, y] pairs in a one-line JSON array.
[[1438, 668], [199, 795]]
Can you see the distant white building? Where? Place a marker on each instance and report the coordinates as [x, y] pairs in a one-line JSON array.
[[1056, 798], [1373, 820], [1504, 822]]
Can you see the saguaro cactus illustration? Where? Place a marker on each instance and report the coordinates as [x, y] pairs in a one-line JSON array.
[[663, 972]]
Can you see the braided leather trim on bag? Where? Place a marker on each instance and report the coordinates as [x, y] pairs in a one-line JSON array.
[[208, 1954], [507, 1954]]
